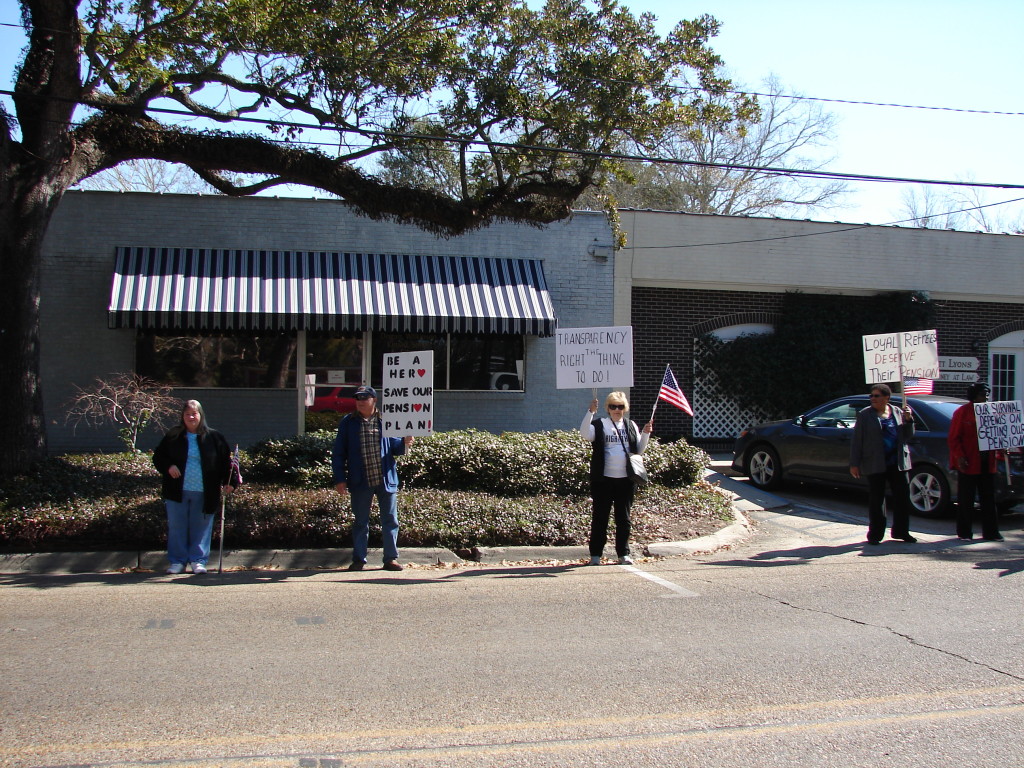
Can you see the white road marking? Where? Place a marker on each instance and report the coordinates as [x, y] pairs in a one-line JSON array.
[[679, 591]]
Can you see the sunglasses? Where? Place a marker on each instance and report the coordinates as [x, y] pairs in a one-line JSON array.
[[877, 394], [364, 397], [614, 407]]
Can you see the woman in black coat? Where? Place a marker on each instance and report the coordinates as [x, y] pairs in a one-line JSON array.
[[195, 464], [614, 438]]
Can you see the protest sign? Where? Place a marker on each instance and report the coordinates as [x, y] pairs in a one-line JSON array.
[[892, 357], [407, 394], [1000, 425], [594, 357]]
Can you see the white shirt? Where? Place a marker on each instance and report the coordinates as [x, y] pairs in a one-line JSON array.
[[614, 450]]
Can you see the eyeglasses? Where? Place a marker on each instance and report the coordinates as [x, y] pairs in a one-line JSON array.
[[616, 407]]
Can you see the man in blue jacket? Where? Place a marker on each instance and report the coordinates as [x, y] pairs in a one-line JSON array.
[[364, 466]]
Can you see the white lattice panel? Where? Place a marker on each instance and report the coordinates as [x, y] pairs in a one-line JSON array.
[[718, 417]]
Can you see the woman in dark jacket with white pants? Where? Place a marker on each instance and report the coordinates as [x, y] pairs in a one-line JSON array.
[[614, 438], [879, 453], [195, 464]]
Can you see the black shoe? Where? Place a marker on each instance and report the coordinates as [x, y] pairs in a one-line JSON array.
[[966, 538], [356, 565], [392, 565], [908, 538], [874, 542], [997, 537]]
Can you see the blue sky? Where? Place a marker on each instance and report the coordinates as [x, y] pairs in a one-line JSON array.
[[939, 54]]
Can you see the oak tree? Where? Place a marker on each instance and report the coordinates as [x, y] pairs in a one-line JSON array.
[[308, 92]]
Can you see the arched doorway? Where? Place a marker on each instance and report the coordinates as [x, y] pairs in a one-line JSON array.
[[716, 417]]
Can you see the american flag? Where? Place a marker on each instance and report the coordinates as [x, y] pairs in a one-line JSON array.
[[917, 386], [235, 472], [671, 393]]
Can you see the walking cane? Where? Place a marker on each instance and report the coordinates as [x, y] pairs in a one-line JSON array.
[[234, 480], [220, 565]]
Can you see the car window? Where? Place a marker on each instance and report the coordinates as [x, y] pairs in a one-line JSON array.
[[323, 391], [842, 416], [942, 416]]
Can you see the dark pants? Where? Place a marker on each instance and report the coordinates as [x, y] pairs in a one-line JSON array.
[[610, 492], [900, 489], [984, 486]]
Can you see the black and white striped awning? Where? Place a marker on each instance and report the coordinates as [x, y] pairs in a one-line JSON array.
[[209, 289]]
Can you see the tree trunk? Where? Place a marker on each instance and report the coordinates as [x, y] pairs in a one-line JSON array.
[[280, 361], [25, 214]]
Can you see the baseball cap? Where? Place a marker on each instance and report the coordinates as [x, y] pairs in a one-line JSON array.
[[365, 391]]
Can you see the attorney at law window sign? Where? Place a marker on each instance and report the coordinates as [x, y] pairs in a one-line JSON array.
[[407, 394]]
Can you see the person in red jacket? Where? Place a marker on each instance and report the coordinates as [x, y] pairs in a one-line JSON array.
[[976, 470]]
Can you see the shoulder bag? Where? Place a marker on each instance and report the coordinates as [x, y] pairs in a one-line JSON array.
[[634, 462]]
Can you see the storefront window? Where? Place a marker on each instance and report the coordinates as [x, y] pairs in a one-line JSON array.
[[460, 362], [238, 360], [335, 360], [493, 362]]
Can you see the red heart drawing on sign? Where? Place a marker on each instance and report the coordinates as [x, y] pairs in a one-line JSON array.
[[422, 372], [417, 406]]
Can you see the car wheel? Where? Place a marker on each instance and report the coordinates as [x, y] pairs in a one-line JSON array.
[[763, 467], [929, 492]]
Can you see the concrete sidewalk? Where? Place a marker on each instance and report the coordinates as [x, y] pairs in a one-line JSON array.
[[746, 498]]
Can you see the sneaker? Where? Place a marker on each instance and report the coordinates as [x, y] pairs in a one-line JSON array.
[[625, 560], [198, 569], [595, 560], [176, 568]]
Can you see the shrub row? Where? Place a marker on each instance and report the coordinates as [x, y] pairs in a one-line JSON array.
[[462, 489], [273, 516], [513, 464]]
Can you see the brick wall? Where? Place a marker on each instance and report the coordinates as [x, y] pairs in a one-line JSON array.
[[666, 321]]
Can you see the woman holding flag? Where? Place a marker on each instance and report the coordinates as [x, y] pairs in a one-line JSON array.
[[195, 464], [613, 438]]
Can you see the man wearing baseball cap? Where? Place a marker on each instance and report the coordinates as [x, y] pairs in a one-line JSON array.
[[364, 466]]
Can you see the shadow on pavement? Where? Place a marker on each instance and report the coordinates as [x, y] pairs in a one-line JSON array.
[[796, 556], [1006, 567], [211, 579], [523, 572]]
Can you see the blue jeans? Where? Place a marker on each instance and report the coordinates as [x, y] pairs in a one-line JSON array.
[[188, 529], [362, 498]]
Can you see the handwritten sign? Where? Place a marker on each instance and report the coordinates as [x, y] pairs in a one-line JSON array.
[[594, 357], [407, 394], [916, 352], [1000, 425]]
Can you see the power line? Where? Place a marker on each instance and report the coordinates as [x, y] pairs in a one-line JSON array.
[[823, 232], [794, 97], [466, 141]]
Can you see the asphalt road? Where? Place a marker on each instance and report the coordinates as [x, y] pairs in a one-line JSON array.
[[797, 647]]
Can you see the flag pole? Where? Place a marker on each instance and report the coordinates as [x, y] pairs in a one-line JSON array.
[[655, 408], [899, 354]]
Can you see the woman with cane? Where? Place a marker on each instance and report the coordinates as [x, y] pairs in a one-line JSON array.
[[195, 463]]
